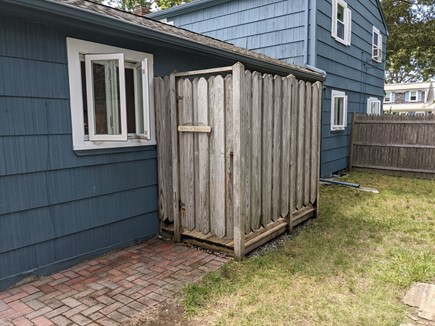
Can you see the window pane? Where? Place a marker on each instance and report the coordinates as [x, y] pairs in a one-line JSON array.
[[340, 30], [375, 39], [339, 104], [140, 108], [413, 96], [340, 13], [129, 96], [107, 104]]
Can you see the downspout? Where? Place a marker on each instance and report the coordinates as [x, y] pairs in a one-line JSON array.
[[312, 33], [307, 34]]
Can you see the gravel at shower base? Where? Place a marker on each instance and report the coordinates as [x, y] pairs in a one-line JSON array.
[[268, 246], [277, 242]]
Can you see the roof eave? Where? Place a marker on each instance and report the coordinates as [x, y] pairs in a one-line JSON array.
[[62, 9], [383, 17]]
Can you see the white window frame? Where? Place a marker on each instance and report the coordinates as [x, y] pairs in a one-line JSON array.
[[338, 94], [377, 48], [347, 22], [79, 49], [373, 100], [416, 96], [122, 119], [391, 97]]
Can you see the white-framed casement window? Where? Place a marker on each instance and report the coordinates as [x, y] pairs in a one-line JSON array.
[[341, 28], [411, 96], [338, 110], [377, 45], [111, 96], [373, 105], [390, 97]]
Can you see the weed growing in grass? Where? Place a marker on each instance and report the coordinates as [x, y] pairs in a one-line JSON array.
[[350, 267]]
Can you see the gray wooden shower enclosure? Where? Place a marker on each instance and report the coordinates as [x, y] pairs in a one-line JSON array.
[[238, 156]]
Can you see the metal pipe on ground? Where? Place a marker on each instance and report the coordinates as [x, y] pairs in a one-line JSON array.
[[341, 183]]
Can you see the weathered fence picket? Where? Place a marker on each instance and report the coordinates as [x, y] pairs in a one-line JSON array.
[[229, 220], [286, 152], [253, 172], [405, 144], [267, 132], [217, 157], [307, 144], [247, 148], [187, 187], [277, 148], [256, 168]]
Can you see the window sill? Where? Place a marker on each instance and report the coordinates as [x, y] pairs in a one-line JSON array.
[[339, 40], [93, 148], [338, 129]]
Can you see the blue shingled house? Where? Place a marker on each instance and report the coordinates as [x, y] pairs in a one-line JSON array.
[[344, 38], [78, 168]]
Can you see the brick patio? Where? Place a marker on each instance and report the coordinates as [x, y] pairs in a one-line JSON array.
[[108, 290]]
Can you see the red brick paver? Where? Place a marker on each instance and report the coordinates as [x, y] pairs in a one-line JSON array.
[[107, 290]]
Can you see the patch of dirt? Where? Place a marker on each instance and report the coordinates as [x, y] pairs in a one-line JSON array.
[[170, 312]]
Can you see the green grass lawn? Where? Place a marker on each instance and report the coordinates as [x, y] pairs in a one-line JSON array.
[[352, 266]]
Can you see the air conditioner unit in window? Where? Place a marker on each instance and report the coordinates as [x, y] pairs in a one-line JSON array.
[[376, 53]]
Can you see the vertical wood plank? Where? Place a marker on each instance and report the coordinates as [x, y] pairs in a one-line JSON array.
[[239, 222], [247, 148], [161, 145], [256, 168], [277, 148], [174, 146], [203, 160], [196, 154], [352, 137], [217, 157], [187, 186], [319, 89], [307, 145], [267, 110], [286, 150], [300, 147], [168, 107], [315, 132], [293, 142], [229, 205]]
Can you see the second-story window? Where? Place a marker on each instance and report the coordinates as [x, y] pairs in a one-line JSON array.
[[377, 45], [413, 96], [389, 97], [341, 22]]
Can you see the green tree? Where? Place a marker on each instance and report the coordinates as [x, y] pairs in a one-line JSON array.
[[128, 5], [411, 43], [164, 4]]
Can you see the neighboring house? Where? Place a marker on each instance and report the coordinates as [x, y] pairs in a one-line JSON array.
[[409, 98], [346, 39], [78, 170]]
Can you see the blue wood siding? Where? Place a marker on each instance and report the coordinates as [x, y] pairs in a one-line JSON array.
[[350, 69], [275, 28], [57, 208], [278, 29]]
